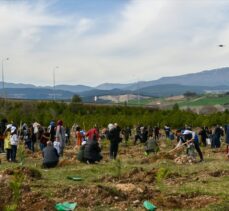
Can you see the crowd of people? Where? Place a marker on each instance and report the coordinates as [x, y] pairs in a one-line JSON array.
[[53, 139]]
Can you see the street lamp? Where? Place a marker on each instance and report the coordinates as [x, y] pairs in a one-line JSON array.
[[3, 84], [54, 82]]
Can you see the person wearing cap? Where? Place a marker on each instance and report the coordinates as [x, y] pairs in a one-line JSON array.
[[14, 143]]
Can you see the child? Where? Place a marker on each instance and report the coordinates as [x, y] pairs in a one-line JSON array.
[[14, 142], [7, 145]]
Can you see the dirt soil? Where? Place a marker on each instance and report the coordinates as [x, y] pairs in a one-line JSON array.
[[29, 173], [193, 201], [130, 189], [103, 195], [136, 175]]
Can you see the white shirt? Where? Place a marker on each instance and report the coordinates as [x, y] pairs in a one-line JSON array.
[[14, 139]]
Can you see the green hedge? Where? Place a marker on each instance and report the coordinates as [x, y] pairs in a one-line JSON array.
[[88, 115]]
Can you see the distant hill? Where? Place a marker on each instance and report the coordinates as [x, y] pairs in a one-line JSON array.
[[211, 78], [36, 93], [17, 85], [110, 86], [166, 90], [74, 88]]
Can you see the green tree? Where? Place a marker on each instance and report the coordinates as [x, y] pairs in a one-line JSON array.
[[176, 107], [76, 99]]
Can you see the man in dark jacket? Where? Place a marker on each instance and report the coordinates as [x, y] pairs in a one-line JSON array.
[[114, 136], [203, 135], [50, 155], [92, 151]]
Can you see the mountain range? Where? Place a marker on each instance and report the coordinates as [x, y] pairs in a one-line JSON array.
[[216, 80]]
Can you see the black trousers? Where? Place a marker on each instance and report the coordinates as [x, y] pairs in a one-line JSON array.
[[8, 154], [14, 152], [204, 141], [113, 150], [1, 145], [197, 147]]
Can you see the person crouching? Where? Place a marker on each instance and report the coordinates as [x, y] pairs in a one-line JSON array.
[[50, 155]]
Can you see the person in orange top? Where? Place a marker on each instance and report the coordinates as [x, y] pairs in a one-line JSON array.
[[79, 137]]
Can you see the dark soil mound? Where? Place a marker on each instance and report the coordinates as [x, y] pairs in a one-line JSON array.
[[30, 173]]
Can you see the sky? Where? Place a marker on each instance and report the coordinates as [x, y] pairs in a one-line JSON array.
[[91, 42]]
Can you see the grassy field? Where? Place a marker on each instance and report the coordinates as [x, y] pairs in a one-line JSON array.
[[204, 100], [120, 185]]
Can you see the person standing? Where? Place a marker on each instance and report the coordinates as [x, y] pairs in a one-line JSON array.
[[227, 139], [216, 138], [51, 130], [203, 135], [114, 136], [14, 143], [126, 132], [60, 136], [2, 130], [156, 132], [7, 144], [44, 138], [27, 136], [167, 131], [78, 137]]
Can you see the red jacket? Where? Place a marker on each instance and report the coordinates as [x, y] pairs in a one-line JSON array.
[[92, 133]]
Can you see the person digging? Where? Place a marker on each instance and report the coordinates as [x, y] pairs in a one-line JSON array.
[[191, 138]]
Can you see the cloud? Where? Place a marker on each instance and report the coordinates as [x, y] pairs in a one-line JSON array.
[[141, 40]]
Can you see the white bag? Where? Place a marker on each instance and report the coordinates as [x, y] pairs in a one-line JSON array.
[[208, 140]]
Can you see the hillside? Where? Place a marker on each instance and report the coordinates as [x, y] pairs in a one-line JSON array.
[[36, 93], [165, 90], [110, 86], [74, 88], [216, 80], [210, 78]]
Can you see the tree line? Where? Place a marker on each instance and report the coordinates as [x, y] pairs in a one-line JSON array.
[[89, 114]]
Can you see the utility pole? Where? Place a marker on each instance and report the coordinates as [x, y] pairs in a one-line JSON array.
[[54, 82], [3, 82]]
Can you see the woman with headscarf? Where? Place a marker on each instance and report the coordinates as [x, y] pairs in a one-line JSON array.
[[60, 135]]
